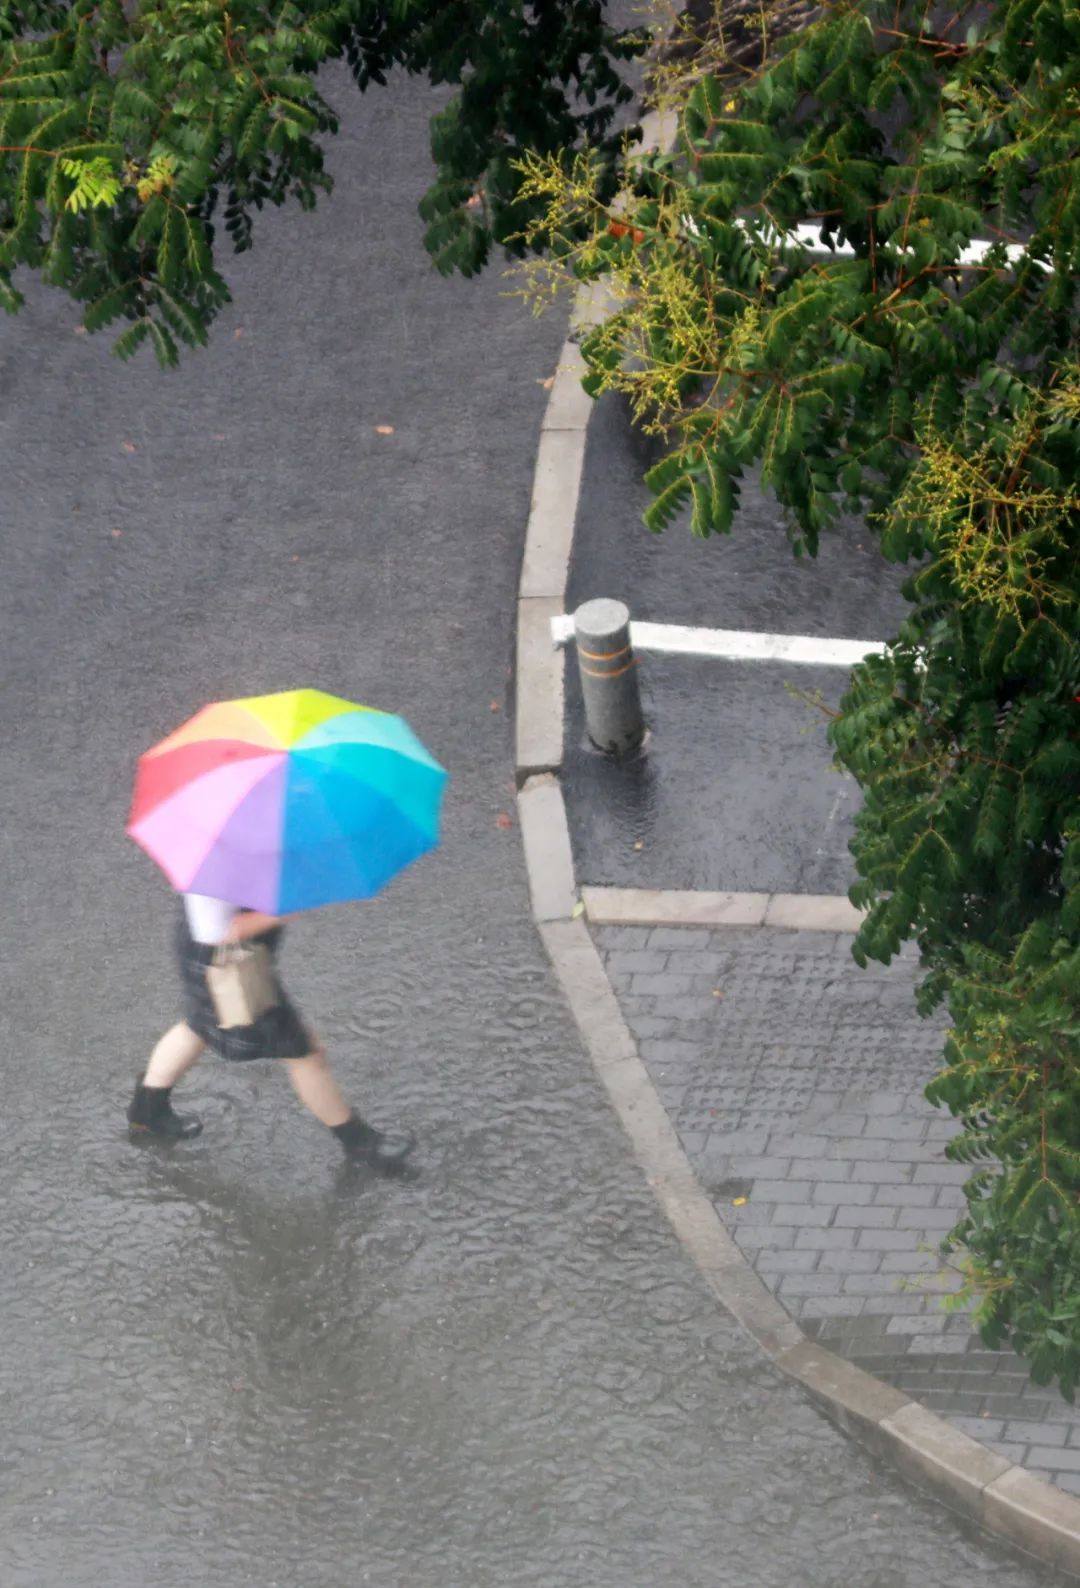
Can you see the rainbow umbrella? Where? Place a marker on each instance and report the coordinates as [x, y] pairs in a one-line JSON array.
[[285, 802]]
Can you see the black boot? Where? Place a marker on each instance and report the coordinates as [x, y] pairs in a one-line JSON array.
[[150, 1111], [377, 1149]]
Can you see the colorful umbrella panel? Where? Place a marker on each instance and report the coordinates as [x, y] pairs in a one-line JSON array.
[[289, 801]]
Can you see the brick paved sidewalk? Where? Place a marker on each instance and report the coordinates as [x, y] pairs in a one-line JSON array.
[[795, 1081]]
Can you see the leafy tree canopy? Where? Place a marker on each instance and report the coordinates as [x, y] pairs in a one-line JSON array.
[[856, 273], [130, 129]]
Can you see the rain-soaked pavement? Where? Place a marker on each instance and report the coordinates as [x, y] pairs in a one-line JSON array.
[[228, 1366], [761, 809]]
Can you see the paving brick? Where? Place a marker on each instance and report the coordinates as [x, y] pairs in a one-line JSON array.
[[909, 1262], [925, 1345], [843, 1124], [870, 1285], [740, 1141], [765, 1237], [912, 1152], [847, 1260], [650, 1025], [866, 1218], [1061, 1460], [808, 1285], [1069, 1481], [770, 1265], [880, 1173], [844, 1307], [782, 1190], [842, 1193], [787, 1146], [830, 1169], [878, 1240], [979, 1427], [668, 984], [927, 1382], [1035, 1433], [953, 1402], [942, 1173], [755, 1164], [939, 1220], [638, 960], [802, 1213], [675, 1051], [829, 1239], [942, 1130], [899, 1303], [1011, 1452], [753, 1213], [885, 1102], [906, 1196], [699, 962], [608, 937], [896, 1127], [930, 1323], [679, 937], [684, 1008]]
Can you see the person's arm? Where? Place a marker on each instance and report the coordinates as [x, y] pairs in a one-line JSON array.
[[252, 923]]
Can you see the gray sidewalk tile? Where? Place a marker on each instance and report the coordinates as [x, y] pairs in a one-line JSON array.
[[691, 937], [664, 984], [843, 1193], [1039, 1432], [801, 1089], [821, 1169], [867, 1218], [906, 1196], [834, 1239]]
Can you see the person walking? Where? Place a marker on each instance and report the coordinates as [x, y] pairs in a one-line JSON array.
[[277, 1032]]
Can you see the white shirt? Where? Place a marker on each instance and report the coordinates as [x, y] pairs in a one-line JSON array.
[[208, 919]]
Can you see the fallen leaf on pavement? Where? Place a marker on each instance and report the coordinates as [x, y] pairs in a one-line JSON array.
[[504, 821], [238, 332], [579, 909], [384, 430], [717, 993], [80, 330], [494, 706], [128, 446], [739, 1202], [116, 533], [547, 384], [639, 845]]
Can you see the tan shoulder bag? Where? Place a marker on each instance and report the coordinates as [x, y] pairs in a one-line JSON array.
[[240, 980]]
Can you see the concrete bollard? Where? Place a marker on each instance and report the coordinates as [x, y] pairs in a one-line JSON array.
[[609, 678]]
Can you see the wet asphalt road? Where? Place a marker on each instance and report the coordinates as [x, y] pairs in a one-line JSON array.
[[736, 789], [228, 1366]]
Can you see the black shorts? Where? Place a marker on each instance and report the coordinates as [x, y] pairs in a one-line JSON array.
[[278, 1033]]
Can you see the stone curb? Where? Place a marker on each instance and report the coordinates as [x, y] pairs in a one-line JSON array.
[[807, 912], [937, 1457]]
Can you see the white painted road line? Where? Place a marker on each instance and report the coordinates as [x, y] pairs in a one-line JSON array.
[[735, 644]]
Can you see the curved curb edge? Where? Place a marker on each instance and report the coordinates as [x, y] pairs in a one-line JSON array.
[[998, 1495]]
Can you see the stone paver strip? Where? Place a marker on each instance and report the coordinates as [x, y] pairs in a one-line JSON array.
[[810, 1131]]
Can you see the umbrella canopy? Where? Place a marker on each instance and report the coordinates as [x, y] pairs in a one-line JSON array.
[[285, 802]]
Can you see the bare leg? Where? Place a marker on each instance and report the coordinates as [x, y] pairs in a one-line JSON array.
[[176, 1052], [314, 1084], [150, 1111]]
